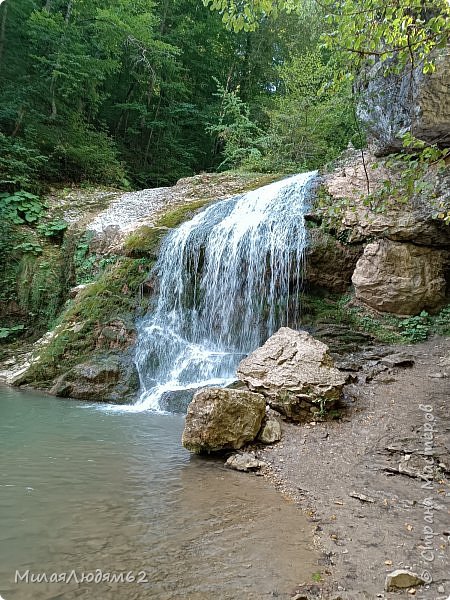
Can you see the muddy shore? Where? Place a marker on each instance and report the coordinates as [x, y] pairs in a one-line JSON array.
[[365, 479]]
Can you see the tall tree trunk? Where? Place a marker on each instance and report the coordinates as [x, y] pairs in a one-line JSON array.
[[19, 120], [48, 6], [162, 25], [150, 136], [123, 111], [3, 32], [68, 11], [246, 69]]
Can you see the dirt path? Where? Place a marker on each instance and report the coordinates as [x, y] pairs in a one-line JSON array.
[[377, 451]]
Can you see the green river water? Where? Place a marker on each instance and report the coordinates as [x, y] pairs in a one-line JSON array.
[[92, 492]]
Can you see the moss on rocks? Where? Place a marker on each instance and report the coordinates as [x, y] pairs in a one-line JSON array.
[[339, 320], [144, 241], [98, 320], [179, 214]]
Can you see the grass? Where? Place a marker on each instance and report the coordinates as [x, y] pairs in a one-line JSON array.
[[182, 213], [385, 328], [144, 241]]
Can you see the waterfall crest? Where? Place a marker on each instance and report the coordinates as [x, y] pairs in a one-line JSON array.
[[228, 279]]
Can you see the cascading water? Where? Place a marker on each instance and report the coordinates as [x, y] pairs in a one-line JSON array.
[[228, 279]]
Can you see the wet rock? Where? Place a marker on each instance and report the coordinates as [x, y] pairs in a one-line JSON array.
[[103, 379], [117, 334], [246, 461], [295, 373], [176, 401], [402, 579], [270, 431], [400, 278], [219, 419]]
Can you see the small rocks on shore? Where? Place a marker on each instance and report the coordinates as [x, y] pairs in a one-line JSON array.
[[402, 579], [246, 461]]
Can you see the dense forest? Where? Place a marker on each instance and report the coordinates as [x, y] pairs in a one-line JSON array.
[[138, 94]]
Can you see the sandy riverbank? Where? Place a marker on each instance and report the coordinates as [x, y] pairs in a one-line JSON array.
[[364, 480]]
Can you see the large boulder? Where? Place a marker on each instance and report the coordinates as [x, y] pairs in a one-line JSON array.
[[220, 419], [103, 379], [401, 278], [295, 373], [395, 103]]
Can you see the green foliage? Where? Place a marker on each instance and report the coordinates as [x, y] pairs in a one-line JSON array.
[[415, 329], [89, 265], [31, 247], [407, 30], [440, 323], [20, 163], [310, 123], [234, 129], [6, 333], [21, 207], [385, 328], [53, 229], [41, 285], [411, 169]]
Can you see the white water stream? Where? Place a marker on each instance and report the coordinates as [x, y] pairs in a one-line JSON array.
[[228, 279]]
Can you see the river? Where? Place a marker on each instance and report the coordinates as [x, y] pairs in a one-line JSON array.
[[87, 490]]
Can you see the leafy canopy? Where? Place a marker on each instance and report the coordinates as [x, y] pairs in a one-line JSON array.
[[361, 29]]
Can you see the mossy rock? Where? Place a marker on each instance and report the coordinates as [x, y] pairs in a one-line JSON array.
[[180, 214], [109, 378], [100, 318], [144, 242]]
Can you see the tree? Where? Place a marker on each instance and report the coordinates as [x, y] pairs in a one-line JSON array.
[[407, 30]]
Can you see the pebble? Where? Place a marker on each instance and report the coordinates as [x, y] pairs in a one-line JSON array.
[[441, 589], [402, 579]]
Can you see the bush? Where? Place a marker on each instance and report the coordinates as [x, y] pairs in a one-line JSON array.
[[20, 164]]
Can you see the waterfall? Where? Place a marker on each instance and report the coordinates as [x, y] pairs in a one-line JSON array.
[[227, 279]]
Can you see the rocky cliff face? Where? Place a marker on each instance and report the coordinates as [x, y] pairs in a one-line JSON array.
[[394, 104], [395, 254]]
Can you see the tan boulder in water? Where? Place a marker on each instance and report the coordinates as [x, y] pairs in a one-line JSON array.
[[219, 419], [295, 373]]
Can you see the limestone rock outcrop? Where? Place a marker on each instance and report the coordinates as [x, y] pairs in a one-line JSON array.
[[295, 373], [401, 278], [219, 419], [412, 222], [393, 104]]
